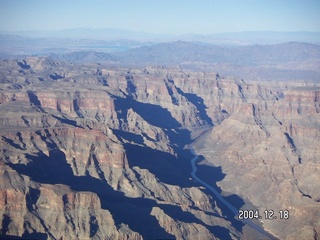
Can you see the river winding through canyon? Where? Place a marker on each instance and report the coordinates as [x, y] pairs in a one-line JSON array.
[[234, 210]]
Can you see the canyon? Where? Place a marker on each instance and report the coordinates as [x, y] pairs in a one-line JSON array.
[[98, 151]]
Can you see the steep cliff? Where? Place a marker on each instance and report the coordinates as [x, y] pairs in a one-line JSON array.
[[268, 147], [96, 152]]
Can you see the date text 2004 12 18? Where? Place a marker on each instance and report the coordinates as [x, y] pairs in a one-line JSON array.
[[268, 214]]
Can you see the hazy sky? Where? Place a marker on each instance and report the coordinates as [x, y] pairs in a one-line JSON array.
[[162, 16]]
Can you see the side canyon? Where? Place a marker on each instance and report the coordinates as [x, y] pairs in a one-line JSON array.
[[91, 151]]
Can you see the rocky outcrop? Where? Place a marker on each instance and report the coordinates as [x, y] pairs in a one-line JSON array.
[[265, 149], [95, 152]]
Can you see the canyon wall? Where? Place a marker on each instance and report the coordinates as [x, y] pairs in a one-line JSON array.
[[96, 152], [90, 152]]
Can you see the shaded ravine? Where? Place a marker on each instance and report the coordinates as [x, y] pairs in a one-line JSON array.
[[232, 208]]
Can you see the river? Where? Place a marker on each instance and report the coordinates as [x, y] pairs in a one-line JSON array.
[[221, 198]]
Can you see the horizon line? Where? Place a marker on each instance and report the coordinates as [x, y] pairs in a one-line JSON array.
[[144, 32]]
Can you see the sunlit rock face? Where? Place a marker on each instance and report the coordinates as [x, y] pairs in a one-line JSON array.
[[268, 148], [95, 152]]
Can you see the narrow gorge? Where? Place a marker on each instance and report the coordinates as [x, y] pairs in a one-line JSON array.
[[100, 152]]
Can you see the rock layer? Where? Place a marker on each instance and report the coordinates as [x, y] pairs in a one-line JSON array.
[[96, 152], [269, 151]]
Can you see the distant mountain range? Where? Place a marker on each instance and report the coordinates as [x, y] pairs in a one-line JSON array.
[[286, 61], [231, 38], [234, 54], [180, 52]]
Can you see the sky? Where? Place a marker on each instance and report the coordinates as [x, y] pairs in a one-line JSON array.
[[162, 16]]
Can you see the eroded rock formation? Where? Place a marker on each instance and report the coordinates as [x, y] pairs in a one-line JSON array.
[[96, 152]]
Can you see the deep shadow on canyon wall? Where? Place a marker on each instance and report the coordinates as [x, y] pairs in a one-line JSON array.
[[169, 169]]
